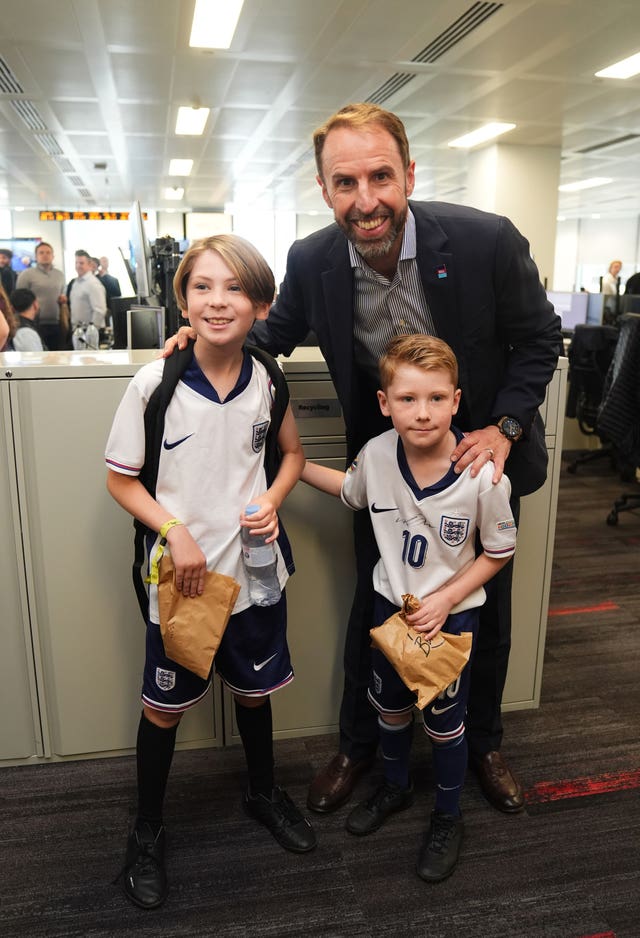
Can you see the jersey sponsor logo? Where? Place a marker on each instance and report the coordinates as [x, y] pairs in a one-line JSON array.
[[173, 445], [166, 680], [454, 531], [353, 466], [259, 667], [377, 511], [505, 525], [259, 435]]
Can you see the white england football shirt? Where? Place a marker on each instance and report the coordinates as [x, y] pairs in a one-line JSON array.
[[425, 536], [211, 461]]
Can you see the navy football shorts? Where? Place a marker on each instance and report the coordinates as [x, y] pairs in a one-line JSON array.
[[252, 660], [443, 717]]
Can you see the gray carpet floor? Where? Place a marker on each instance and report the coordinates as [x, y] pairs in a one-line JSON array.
[[567, 867]]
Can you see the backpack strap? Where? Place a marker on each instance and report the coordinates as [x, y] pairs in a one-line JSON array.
[[273, 456], [174, 367]]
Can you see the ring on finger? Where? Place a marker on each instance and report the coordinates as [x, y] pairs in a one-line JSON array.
[[490, 451]]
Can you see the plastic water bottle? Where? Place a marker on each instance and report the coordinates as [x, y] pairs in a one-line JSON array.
[[260, 561]]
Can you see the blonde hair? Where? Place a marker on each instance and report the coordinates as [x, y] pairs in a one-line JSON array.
[[7, 311], [423, 351], [357, 116], [241, 257], [614, 262]]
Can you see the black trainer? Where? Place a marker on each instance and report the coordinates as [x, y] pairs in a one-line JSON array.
[[371, 814], [145, 880], [282, 818], [439, 854]]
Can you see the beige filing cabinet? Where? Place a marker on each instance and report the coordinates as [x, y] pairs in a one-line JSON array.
[[72, 632], [73, 636]]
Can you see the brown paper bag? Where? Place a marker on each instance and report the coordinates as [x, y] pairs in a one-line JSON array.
[[192, 626], [426, 667]]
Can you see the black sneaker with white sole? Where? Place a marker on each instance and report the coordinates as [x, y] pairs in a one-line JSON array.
[[145, 879], [281, 817]]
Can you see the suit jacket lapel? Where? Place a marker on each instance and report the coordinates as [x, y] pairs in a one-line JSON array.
[[337, 285]]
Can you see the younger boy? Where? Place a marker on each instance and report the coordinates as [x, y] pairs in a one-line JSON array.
[[27, 337], [211, 467], [425, 519]]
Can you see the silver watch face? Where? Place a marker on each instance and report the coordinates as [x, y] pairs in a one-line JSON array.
[[510, 427]]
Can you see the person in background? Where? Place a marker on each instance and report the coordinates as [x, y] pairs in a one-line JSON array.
[[390, 266], [632, 286], [26, 307], [7, 273], [87, 298], [224, 403], [611, 279], [8, 323], [47, 282], [110, 284]]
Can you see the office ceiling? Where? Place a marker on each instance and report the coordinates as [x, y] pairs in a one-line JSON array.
[[89, 92]]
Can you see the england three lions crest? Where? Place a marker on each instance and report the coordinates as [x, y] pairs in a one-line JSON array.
[[454, 531], [259, 435]]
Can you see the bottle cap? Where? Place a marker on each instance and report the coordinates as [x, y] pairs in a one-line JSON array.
[[251, 509]]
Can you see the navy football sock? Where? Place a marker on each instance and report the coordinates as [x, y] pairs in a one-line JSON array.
[[256, 732], [395, 742], [154, 753], [449, 766]]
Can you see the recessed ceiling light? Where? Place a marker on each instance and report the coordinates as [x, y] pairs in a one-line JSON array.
[[191, 120], [584, 184], [214, 23], [625, 68], [180, 167], [176, 193], [481, 135]]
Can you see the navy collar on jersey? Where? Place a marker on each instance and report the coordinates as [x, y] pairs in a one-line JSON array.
[[448, 479], [195, 379]]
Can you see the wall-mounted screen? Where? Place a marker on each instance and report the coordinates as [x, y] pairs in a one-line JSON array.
[[145, 327], [24, 251], [570, 307]]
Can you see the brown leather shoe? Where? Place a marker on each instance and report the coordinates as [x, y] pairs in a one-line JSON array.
[[500, 786], [334, 784]]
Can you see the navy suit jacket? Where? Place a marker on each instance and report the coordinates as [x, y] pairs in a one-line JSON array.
[[486, 300]]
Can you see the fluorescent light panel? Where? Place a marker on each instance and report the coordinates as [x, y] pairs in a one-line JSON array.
[[175, 194], [180, 167], [584, 184], [625, 68], [214, 23], [191, 120], [481, 135]]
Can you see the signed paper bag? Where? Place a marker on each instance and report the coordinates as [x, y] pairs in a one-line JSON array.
[[426, 667], [192, 626]]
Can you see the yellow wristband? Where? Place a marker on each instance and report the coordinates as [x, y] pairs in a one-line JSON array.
[[154, 573], [166, 527]]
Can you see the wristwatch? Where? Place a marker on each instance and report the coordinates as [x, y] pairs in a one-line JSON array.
[[509, 427]]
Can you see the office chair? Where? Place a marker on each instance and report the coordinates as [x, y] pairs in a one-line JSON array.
[[590, 355], [619, 415]]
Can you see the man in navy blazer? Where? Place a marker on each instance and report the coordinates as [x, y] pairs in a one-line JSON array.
[[468, 277]]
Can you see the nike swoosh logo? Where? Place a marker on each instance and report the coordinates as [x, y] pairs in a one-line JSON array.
[[377, 510], [437, 710], [177, 442], [259, 667]]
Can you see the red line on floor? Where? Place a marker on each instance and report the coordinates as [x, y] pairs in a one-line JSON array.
[[600, 934], [574, 610], [582, 787]]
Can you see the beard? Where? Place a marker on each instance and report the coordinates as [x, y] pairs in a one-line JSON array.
[[367, 248]]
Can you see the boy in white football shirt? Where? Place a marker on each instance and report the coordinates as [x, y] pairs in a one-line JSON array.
[[211, 466], [426, 520]]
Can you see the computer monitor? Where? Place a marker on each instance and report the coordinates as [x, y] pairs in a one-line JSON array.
[[595, 309], [570, 307], [119, 307], [145, 327], [630, 303]]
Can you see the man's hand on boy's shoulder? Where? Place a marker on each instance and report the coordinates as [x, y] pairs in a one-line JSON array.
[[180, 339], [479, 447]]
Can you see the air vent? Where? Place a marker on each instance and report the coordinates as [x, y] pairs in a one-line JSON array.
[[29, 114], [609, 143], [75, 180], [49, 143], [475, 16], [85, 194], [64, 165], [9, 84]]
